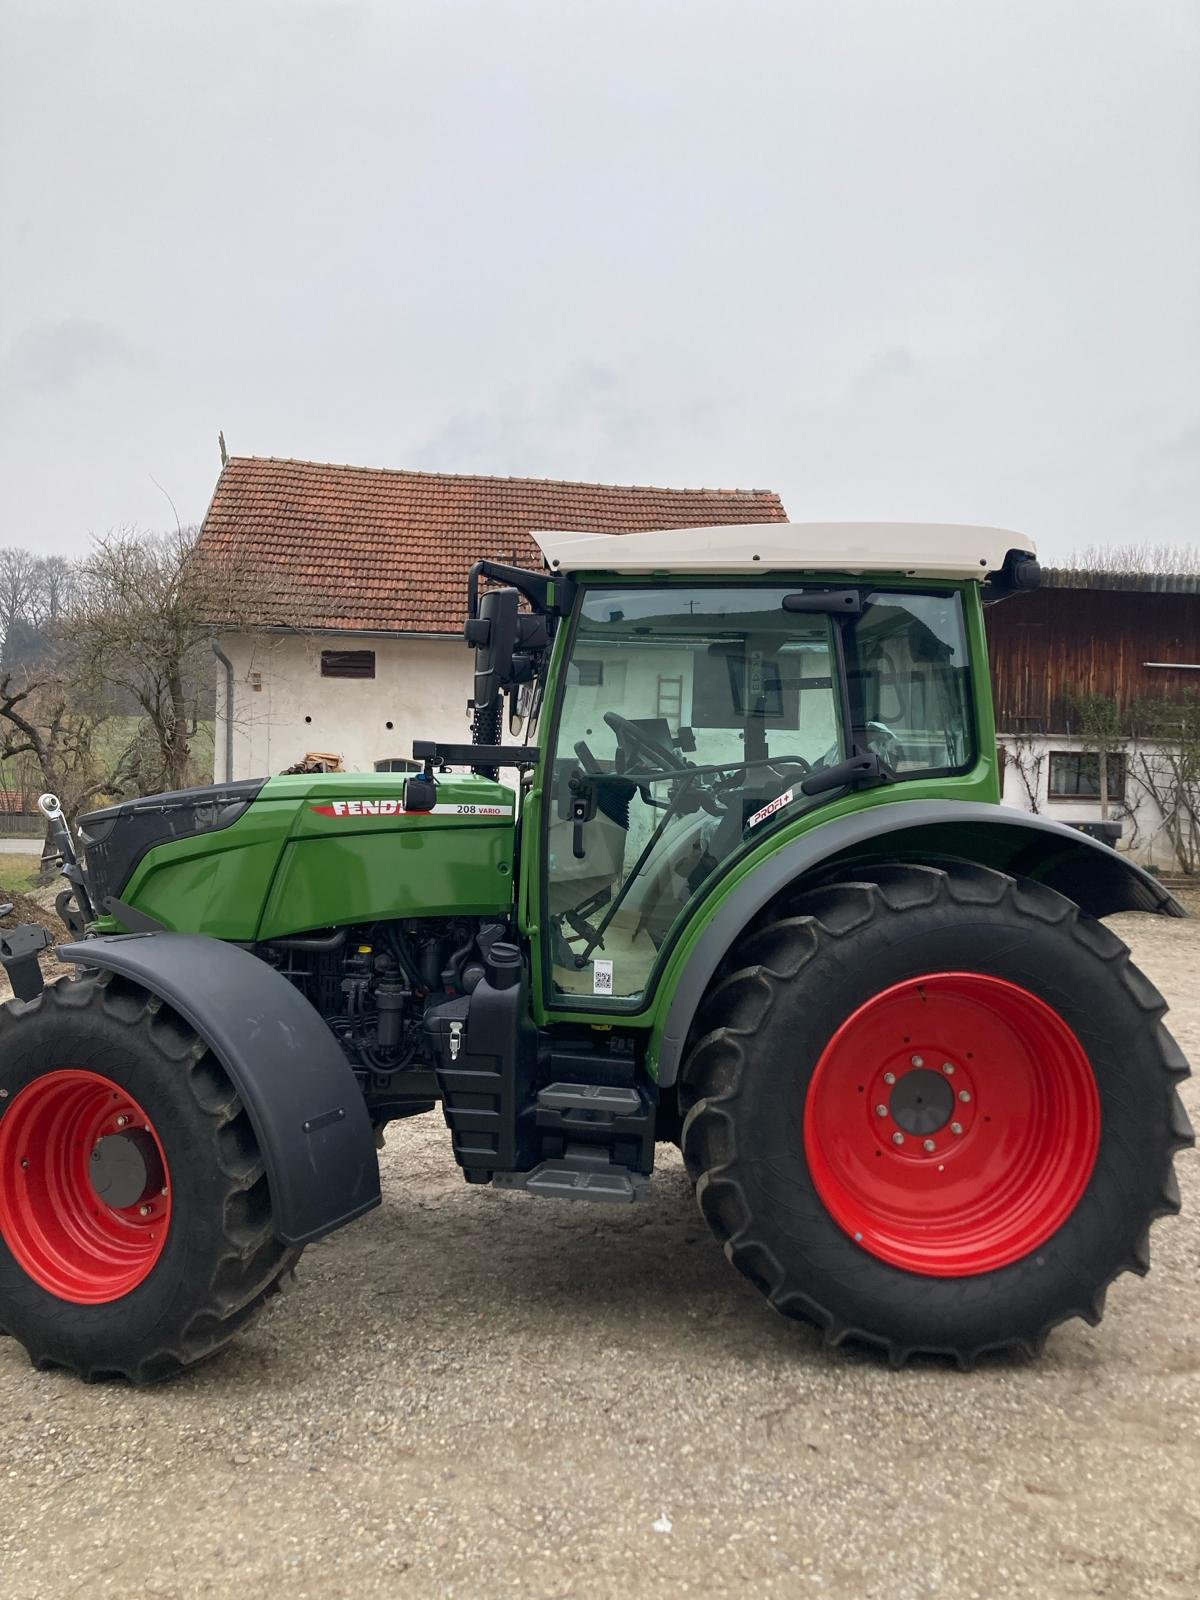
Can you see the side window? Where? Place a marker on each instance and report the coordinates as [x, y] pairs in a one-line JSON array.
[[909, 681], [718, 701]]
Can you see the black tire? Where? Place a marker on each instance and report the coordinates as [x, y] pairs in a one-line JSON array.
[[786, 988], [221, 1259]]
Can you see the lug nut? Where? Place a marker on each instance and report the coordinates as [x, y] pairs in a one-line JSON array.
[[897, 1137], [143, 1211], [918, 1061], [889, 1077], [881, 1111], [956, 1127], [929, 1145], [122, 1121], [964, 1095], [948, 1068]]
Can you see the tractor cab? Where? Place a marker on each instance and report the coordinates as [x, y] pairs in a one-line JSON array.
[[693, 722], [699, 692]]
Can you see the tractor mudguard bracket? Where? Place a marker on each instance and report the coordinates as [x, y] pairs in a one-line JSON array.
[[19, 951], [302, 1099]]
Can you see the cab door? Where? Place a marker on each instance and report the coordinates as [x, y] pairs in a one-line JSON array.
[[686, 718]]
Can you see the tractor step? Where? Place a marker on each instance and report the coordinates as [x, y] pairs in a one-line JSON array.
[[594, 1101], [615, 1121], [583, 1173]]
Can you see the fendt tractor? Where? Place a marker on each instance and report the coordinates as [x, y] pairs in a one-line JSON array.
[[723, 864]]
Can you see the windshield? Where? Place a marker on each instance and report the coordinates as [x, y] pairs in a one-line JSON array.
[[689, 719]]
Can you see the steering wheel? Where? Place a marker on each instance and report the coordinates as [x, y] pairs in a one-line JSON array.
[[629, 733]]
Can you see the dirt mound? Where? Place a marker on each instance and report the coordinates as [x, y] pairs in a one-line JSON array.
[[26, 909]]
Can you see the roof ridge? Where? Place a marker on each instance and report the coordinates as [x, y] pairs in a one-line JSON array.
[[491, 477]]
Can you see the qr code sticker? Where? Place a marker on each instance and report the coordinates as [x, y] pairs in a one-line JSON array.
[[602, 977]]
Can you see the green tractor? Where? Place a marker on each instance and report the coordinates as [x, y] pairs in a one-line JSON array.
[[738, 879]]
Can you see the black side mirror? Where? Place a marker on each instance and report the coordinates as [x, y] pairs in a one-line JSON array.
[[494, 634]]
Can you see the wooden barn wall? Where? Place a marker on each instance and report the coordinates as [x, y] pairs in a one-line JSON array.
[[1095, 640]]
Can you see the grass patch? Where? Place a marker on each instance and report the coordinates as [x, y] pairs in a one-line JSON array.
[[18, 872]]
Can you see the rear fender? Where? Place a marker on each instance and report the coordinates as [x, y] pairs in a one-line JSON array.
[[302, 1099], [1091, 874]]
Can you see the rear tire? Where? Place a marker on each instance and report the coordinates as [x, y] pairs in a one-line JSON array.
[[102, 1290], [1061, 1148]]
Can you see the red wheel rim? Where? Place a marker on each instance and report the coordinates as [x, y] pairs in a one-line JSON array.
[[57, 1133], [952, 1123]]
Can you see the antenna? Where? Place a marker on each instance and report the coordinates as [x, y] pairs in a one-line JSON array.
[[224, 452]]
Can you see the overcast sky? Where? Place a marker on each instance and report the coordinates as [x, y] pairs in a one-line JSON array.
[[911, 259]]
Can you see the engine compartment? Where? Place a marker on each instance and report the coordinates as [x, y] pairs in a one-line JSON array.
[[372, 984]]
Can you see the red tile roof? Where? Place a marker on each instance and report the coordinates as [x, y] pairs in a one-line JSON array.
[[360, 548]]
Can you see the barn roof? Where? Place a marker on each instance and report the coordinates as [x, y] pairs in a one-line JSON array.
[[363, 549], [1123, 582]]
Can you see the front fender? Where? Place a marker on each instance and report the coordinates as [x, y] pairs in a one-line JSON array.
[[1092, 874], [302, 1099]]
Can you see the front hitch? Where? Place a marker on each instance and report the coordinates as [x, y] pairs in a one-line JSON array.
[[78, 916]]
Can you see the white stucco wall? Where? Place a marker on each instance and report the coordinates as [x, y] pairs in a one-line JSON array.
[[284, 708], [1143, 836]]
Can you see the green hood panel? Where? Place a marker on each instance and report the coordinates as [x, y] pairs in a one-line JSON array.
[[317, 850]]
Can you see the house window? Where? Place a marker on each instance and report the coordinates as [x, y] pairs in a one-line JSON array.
[[347, 663], [670, 702], [1075, 775], [397, 764], [591, 674]]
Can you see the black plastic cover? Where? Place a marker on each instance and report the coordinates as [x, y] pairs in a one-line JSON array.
[[485, 1057], [115, 838]]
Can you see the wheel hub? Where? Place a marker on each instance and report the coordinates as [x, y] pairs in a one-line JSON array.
[[922, 1101], [919, 1111], [125, 1169]]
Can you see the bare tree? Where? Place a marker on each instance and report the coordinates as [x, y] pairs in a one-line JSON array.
[[1098, 719], [1027, 761], [1136, 558], [55, 583], [106, 676], [1166, 770], [140, 623], [18, 585], [49, 718]]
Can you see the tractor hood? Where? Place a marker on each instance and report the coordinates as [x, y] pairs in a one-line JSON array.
[[268, 857]]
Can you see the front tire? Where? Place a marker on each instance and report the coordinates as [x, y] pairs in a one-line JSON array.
[[136, 1231], [933, 1110]]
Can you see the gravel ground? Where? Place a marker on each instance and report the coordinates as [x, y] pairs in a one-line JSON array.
[[476, 1394]]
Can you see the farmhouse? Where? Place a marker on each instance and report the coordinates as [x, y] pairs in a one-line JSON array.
[[1112, 660], [352, 645]]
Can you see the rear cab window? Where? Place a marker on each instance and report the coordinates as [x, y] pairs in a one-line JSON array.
[[909, 682]]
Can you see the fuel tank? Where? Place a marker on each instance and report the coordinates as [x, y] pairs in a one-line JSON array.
[[262, 858]]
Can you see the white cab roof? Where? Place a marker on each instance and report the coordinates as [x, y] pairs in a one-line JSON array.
[[914, 549]]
